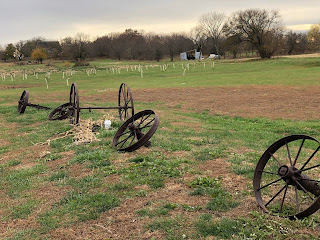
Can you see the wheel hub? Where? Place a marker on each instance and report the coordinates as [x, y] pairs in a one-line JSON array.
[[293, 176], [289, 174], [135, 131]]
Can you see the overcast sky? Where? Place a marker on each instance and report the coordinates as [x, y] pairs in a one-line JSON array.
[[56, 19]]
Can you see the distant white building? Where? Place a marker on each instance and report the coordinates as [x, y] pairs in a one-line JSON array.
[[183, 56], [191, 55]]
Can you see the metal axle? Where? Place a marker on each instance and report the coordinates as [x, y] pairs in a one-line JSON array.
[[294, 177]]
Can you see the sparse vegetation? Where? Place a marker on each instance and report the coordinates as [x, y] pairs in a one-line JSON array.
[[194, 182]]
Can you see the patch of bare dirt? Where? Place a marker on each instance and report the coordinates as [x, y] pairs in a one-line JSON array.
[[303, 55], [220, 168], [16, 86], [53, 164], [196, 127], [233, 183], [28, 155], [252, 101]]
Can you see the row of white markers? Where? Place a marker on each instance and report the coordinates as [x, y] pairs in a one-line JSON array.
[[114, 70]]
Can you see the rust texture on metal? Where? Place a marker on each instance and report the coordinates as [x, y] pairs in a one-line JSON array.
[[136, 131], [64, 111], [286, 178], [23, 103], [72, 108]]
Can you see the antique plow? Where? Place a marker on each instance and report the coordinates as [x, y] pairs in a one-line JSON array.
[[24, 103], [286, 178], [136, 131], [72, 108]]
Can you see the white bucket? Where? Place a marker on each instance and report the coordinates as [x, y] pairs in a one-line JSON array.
[[107, 124]]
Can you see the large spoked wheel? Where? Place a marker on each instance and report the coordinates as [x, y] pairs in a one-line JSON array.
[[286, 178], [74, 103], [23, 101], [125, 102], [62, 112], [136, 131]]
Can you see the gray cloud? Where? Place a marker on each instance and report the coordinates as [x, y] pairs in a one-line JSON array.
[[22, 20]]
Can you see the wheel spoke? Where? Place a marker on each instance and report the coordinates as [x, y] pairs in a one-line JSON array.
[[270, 184], [269, 172], [303, 189], [147, 125], [125, 114], [124, 133], [284, 196], [312, 155], [124, 140], [295, 160], [289, 156], [275, 195], [135, 137], [127, 102], [275, 158], [142, 120], [315, 166]]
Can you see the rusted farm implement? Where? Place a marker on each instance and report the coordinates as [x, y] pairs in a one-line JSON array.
[[136, 131], [24, 103], [286, 177], [72, 108]]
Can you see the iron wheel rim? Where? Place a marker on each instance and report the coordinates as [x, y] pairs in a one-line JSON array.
[[60, 113], [146, 121], [74, 102], [125, 102], [285, 196], [23, 101]]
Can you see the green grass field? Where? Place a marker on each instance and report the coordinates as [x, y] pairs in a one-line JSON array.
[[194, 182]]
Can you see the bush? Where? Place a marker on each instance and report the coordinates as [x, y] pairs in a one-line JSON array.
[[67, 65], [81, 64]]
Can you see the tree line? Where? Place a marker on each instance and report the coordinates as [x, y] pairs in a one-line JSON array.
[[252, 32]]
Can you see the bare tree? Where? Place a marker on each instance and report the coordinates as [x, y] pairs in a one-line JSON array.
[[296, 42], [211, 25], [9, 52], [117, 46], [198, 37], [80, 45], [66, 45], [261, 28], [314, 37], [101, 47], [233, 45], [177, 43], [19, 53]]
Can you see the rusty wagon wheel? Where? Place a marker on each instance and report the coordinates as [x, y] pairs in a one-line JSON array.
[[62, 112], [23, 101], [287, 175], [136, 131], [74, 103], [125, 102]]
